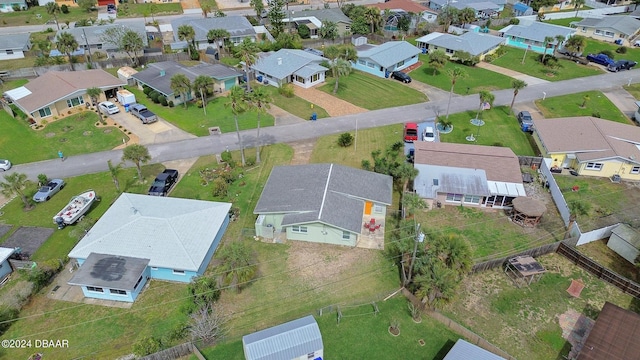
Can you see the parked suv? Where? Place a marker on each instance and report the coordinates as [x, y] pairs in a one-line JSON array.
[[163, 182], [525, 120], [621, 65], [400, 76], [601, 59]]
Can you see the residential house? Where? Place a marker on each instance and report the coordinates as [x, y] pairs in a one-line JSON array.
[[476, 44], [298, 67], [381, 60], [5, 266], [613, 336], [625, 241], [469, 175], [12, 5], [143, 237], [13, 46], [463, 350], [297, 339], [323, 203], [531, 35], [92, 38], [558, 6], [56, 92], [522, 9], [590, 146], [158, 77], [315, 18], [609, 28], [238, 28], [486, 7], [408, 7]]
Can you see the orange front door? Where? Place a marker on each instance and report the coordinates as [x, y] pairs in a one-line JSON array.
[[367, 207]]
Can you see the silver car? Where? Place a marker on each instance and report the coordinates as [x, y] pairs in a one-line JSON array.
[[5, 165], [48, 190], [108, 107]]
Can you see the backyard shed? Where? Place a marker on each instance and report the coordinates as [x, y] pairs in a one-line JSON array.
[[125, 73], [5, 266], [297, 339], [527, 211], [625, 241], [463, 350]]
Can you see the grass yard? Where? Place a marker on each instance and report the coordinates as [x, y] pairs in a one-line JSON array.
[[15, 64], [570, 105], [525, 321], [634, 90], [373, 93], [37, 15], [563, 22], [600, 252], [12, 84], [500, 129], [512, 59], [194, 121], [477, 79], [595, 47], [148, 10], [295, 105], [75, 134]]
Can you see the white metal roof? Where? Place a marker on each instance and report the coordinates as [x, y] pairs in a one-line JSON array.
[[506, 188], [5, 253], [463, 350], [290, 340], [18, 93]]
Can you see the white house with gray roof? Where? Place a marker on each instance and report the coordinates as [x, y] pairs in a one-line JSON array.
[[609, 28], [477, 5], [315, 18], [299, 339], [476, 44], [324, 203], [93, 37], [530, 35], [382, 60], [238, 28], [13, 46], [294, 66], [160, 237]]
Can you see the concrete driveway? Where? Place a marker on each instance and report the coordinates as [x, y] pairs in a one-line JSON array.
[[160, 131], [622, 100]]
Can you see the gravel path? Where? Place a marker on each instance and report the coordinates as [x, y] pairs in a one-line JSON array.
[[333, 105]]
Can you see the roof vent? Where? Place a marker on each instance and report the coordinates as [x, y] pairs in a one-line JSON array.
[[162, 73], [279, 61]]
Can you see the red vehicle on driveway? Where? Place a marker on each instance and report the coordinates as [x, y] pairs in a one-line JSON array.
[[410, 132]]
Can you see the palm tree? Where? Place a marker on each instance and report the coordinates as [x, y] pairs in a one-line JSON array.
[[237, 266], [15, 184], [246, 51], [466, 16], [237, 103], [486, 97], [576, 44], [52, 9], [180, 84], [261, 99], [547, 41], [186, 33], [403, 174], [454, 74], [339, 67], [114, 171], [138, 155], [93, 92], [437, 60], [206, 8], [217, 36], [559, 40], [585, 99], [67, 44], [257, 6], [577, 4], [201, 85], [517, 85], [372, 17]]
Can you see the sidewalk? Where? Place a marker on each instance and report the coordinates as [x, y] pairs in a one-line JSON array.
[[530, 80], [333, 105]]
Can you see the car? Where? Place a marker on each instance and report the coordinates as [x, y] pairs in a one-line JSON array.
[[163, 183], [111, 8], [428, 134], [410, 132], [564, 51], [5, 164], [108, 107], [400, 76], [601, 59], [621, 65], [48, 190], [525, 120]]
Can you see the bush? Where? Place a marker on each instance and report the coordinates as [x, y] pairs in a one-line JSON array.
[[596, 114], [163, 101], [64, 8], [146, 346], [7, 315], [220, 187], [304, 32], [621, 50], [156, 99], [250, 161], [287, 90], [325, 63], [199, 104], [153, 94], [489, 58], [171, 104], [514, 21], [204, 290], [146, 90], [226, 156], [228, 176], [345, 140], [42, 179]]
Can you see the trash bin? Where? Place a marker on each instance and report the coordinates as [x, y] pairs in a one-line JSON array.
[[259, 78], [126, 108], [314, 117]]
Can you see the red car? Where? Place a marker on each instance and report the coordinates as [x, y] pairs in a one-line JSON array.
[[410, 132]]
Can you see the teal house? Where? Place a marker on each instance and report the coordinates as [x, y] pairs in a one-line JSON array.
[[531, 36]]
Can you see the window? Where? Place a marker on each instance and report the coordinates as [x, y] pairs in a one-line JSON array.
[[299, 229], [154, 268], [9, 52], [435, 182], [604, 33], [315, 77], [117, 292], [75, 101], [137, 282], [635, 170], [400, 63], [178, 272], [362, 62], [454, 197], [472, 199], [44, 112], [449, 51], [371, 65], [594, 166], [346, 235], [95, 289], [99, 46], [377, 208]]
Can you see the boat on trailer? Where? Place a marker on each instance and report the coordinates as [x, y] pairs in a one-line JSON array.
[[76, 208]]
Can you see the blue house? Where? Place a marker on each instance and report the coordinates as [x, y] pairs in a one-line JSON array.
[[381, 60], [522, 9], [531, 35], [144, 237], [5, 267]]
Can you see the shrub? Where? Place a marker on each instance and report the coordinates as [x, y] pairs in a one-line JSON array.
[[489, 58], [609, 53], [596, 114], [171, 104], [345, 140], [304, 32], [514, 21], [286, 90], [146, 90], [226, 156], [42, 179], [220, 187], [621, 50], [325, 63], [7, 315], [156, 98], [44, 122], [228, 176], [204, 290], [250, 161], [64, 8], [153, 94], [199, 104], [146, 346], [163, 101]]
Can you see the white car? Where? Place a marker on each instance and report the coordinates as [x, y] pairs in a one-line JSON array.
[[428, 134], [5, 165], [108, 107]]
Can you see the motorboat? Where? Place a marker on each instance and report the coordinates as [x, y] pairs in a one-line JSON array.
[[76, 208]]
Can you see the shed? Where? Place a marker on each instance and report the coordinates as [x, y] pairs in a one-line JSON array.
[[625, 241], [358, 40], [463, 350], [297, 339], [126, 73]]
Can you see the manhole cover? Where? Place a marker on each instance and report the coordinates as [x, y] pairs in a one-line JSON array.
[[106, 131], [87, 133], [50, 135]]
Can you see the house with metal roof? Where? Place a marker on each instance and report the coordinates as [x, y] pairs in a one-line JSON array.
[[406, 7], [92, 38], [590, 146], [141, 237], [297, 339], [5, 266], [613, 336], [477, 5], [522, 9], [158, 77], [298, 67], [323, 203], [531, 35], [467, 175], [56, 92], [13, 46], [463, 350], [238, 28], [382, 60], [476, 44], [619, 28], [315, 18]]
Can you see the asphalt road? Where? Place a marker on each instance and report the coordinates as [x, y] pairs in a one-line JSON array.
[[184, 149]]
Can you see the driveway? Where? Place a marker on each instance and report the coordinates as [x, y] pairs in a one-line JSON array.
[[160, 131], [622, 100]]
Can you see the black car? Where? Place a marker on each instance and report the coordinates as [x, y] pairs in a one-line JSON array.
[[111, 8], [400, 76], [621, 65], [163, 182]]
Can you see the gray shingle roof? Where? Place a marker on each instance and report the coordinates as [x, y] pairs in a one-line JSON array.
[[622, 24], [15, 41], [463, 350], [327, 193], [290, 340], [285, 62], [5, 253], [334, 14], [461, 4], [471, 42], [537, 31], [152, 75], [94, 34], [390, 53], [114, 272], [171, 232], [454, 180], [237, 26]]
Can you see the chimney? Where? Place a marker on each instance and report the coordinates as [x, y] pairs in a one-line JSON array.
[[162, 73], [279, 61]]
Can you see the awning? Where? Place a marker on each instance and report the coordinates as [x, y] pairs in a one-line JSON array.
[[506, 189], [18, 93]]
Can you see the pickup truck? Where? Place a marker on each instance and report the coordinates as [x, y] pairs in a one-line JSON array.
[[601, 59], [141, 112], [163, 183]]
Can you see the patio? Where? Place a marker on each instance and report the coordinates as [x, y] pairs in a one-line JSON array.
[[372, 234]]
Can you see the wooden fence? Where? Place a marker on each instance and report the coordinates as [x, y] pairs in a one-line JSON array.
[[176, 352], [530, 161], [627, 286], [535, 252]]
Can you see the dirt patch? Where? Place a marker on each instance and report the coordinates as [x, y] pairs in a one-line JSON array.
[[302, 151], [87, 133], [107, 131], [50, 135]]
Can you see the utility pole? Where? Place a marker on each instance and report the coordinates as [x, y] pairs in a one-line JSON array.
[[86, 41], [418, 239]]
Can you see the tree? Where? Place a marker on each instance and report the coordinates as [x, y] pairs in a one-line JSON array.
[[67, 44], [258, 7], [93, 93], [486, 97], [340, 57], [412, 202], [204, 290], [329, 31], [635, 4], [454, 74], [14, 185], [138, 155], [206, 8], [237, 266], [237, 104], [576, 44], [246, 51], [466, 16], [437, 60], [447, 16], [53, 9], [577, 4], [516, 85], [403, 174], [87, 5], [404, 22], [537, 4], [585, 100], [547, 41], [372, 16], [559, 40], [114, 170], [576, 208], [339, 68], [201, 85], [217, 36], [261, 99], [186, 33], [304, 31], [180, 84], [287, 40], [276, 16], [207, 324]]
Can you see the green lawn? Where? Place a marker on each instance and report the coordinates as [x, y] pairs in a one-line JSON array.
[[595, 47], [477, 79], [148, 10], [38, 15], [295, 105], [373, 93], [634, 90], [193, 120], [570, 105], [563, 22], [74, 135], [512, 59], [12, 84]]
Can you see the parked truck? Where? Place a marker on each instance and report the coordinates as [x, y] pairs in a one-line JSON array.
[[141, 112]]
